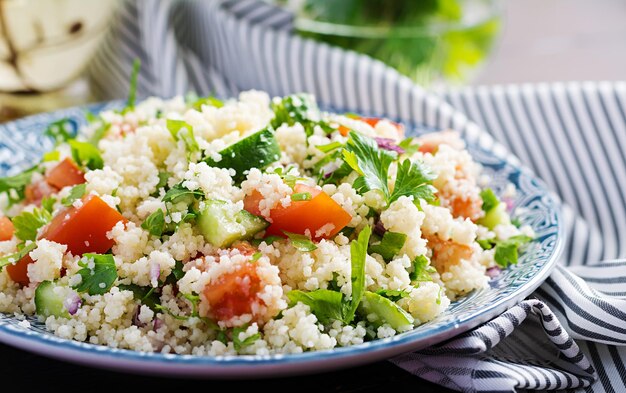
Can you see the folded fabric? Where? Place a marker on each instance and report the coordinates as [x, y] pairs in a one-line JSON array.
[[574, 137]]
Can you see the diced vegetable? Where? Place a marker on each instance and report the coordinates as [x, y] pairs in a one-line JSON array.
[[221, 226], [372, 121], [84, 229], [421, 269], [50, 300], [38, 191], [358, 257], [326, 305], [76, 193], [372, 164], [389, 246], [6, 229], [66, 173], [254, 151], [385, 311], [27, 223], [495, 211], [233, 293], [495, 217], [19, 271], [507, 250], [321, 212], [301, 242], [98, 274]]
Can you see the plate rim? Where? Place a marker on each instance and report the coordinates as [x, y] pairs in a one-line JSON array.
[[254, 366]]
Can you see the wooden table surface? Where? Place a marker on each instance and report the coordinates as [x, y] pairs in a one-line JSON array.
[[37, 372]]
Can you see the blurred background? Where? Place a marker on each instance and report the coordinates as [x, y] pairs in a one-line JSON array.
[[45, 44]]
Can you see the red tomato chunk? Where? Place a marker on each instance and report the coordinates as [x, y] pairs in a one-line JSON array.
[[234, 293], [300, 216]]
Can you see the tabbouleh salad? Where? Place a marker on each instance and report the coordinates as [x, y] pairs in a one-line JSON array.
[[251, 226]]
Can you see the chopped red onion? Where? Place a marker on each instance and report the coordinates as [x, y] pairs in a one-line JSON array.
[[493, 271], [136, 321], [509, 204], [389, 144], [329, 168], [72, 303], [155, 271], [379, 228], [158, 322]]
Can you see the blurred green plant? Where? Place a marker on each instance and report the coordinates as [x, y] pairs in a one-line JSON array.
[[424, 39]]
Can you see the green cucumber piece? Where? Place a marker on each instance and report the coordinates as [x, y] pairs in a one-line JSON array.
[[49, 300], [385, 310], [254, 151], [496, 216], [222, 225]]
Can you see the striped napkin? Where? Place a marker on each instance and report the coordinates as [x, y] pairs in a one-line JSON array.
[[571, 332]]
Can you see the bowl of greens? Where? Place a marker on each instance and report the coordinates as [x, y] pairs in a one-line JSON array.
[[428, 40]]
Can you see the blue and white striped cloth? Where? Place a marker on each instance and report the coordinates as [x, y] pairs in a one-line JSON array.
[[571, 333]]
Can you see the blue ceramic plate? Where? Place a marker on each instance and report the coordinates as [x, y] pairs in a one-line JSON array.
[[22, 143]]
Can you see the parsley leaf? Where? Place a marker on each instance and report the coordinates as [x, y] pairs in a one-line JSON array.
[[329, 147], [178, 270], [389, 246], [61, 130], [413, 179], [155, 223], [17, 183], [325, 304], [421, 269], [175, 193], [363, 155], [77, 192], [507, 250], [163, 178], [86, 155], [48, 204], [13, 258], [490, 200], [238, 343], [358, 256], [486, 244], [408, 146], [28, 223], [98, 273], [146, 295], [181, 130], [297, 108], [393, 295], [301, 242], [371, 163]]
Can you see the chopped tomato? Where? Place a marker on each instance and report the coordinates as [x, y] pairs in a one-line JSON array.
[[66, 173], [233, 293], [84, 229], [19, 271], [372, 121], [37, 191], [320, 212], [6, 229], [251, 203]]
